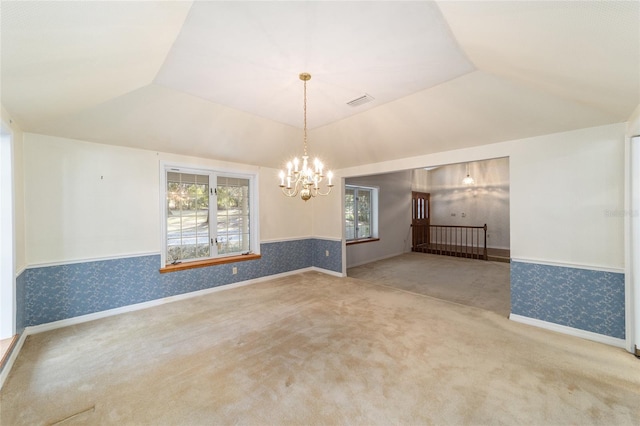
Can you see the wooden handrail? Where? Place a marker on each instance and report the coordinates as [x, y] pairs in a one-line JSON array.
[[461, 226]]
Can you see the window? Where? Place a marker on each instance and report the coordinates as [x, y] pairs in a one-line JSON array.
[[361, 212], [188, 235], [233, 215], [193, 197]]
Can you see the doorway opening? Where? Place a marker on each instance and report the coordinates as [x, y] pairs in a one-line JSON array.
[[443, 215]]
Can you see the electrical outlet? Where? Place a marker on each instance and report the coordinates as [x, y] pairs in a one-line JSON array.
[[234, 270], [453, 214], [463, 214], [326, 253]]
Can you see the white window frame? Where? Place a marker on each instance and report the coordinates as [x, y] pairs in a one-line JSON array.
[[375, 193], [213, 173]]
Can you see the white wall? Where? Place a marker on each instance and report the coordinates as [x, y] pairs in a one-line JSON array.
[[566, 192], [633, 125], [420, 180], [453, 203], [327, 212], [567, 195], [394, 218], [18, 190], [282, 217], [11, 221], [85, 200], [632, 230]]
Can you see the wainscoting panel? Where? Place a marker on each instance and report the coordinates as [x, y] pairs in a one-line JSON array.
[[579, 298], [65, 291], [53, 293], [332, 262]]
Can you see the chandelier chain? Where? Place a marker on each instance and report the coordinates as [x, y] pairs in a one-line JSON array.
[[305, 117]]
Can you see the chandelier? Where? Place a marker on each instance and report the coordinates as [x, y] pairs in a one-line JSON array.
[[303, 177], [468, 180]]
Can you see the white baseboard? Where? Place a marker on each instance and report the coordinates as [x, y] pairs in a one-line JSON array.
[[328, 272], [12, 358], [600, 338], [364, 262]]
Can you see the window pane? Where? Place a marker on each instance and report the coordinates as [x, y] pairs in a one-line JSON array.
[[187, 216], [233, 215], [349, 213], [364, 213], [360, 217]]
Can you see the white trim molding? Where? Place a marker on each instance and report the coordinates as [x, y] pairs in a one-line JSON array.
[[284, 240], [388, 256], [327, 239], [89, 260], [12, 358], [328, 272], [20, 270], [569, 265], [308, 237], [155, 253], [588, 335]]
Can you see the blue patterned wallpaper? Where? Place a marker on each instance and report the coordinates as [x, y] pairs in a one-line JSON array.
[[320, 247], [53, 293], [579, 298]]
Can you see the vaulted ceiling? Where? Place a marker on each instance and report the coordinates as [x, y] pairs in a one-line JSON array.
[[220, 79]]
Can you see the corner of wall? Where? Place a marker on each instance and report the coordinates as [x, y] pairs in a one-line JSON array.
[[633, 124]]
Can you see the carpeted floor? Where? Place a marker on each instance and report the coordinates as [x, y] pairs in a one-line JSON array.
[[313, 349], [470, 282]]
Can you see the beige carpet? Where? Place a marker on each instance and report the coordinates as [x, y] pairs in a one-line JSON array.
[[312, 349], [469, 282]]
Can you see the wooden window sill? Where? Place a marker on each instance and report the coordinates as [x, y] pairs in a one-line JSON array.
[[209, 262], [363, 240]]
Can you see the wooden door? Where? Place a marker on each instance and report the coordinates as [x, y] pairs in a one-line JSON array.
[[420, 207]]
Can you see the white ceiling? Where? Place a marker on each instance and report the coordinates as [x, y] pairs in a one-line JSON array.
[[220, 79]]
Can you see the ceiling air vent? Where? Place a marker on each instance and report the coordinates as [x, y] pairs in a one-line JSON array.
[[360, 100]]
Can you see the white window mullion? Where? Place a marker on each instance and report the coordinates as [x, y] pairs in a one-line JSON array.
[[213, 214], [356, 213]]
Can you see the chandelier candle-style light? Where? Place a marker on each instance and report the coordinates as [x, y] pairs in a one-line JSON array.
[[304, 178]]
